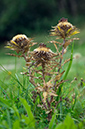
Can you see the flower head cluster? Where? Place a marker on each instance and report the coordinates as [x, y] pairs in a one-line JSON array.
[[19, 43], [64, 29], [42, 54]]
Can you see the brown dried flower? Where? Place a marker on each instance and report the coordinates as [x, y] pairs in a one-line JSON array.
[[42, 54], [64, 29], [20, 43]]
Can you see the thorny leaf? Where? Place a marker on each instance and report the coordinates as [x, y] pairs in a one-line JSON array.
[[75, 32]]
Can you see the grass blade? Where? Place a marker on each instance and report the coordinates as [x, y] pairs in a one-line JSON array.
[[6, 102], [16, 111], [9, 119], [70, 63], [52, 122], [4, 92], [16, 79]]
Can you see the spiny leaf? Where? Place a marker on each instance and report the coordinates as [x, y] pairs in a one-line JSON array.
[[69, 30], [14, 43], [9, 47], [75, 32]]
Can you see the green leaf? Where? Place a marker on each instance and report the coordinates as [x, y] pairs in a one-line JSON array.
[[27, 121], [59, 126], [78, 108], [16, 124], [16, 111], [29, 113], [9, 119], [67, 124], [6, 102], [80, 125], [4, 91]]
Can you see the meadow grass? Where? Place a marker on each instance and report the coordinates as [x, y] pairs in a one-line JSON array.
[[17, 109]]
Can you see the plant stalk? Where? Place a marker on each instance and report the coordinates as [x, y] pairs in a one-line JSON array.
[[62, 54]]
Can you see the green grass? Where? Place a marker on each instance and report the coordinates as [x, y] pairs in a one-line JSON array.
[[17, 109]]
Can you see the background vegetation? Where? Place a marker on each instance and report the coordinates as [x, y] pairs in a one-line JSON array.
[[30, 16], [35, 18]]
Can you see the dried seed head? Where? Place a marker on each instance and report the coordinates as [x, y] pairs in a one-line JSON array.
[[42, 53], [19, 43], [77, 56], [18, 38], [64, 29]]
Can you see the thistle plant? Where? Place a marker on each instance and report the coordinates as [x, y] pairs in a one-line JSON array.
[[44, 67]]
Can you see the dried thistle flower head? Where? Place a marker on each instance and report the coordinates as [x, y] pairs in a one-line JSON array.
[[42, 54], [19, 43], [64, 29]]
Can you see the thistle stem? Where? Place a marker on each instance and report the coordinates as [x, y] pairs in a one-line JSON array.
[[32, 82], [42, 101], [51, 99], [48, 103], [43, 72], [60, 59], [62, 54], [24, 57]]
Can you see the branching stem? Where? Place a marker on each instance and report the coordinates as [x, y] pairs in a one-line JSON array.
[[62, 54]]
